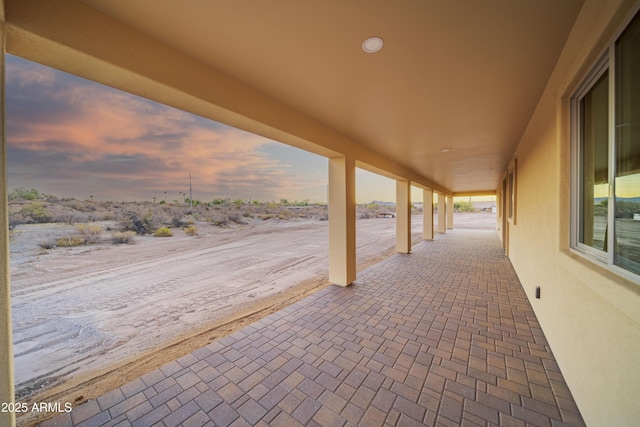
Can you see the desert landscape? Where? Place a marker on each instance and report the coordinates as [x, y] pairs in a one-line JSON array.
[[98, 297]]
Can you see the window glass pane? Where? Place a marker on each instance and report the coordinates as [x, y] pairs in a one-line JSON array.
[[594, 169], [511, 194], [627, 185]]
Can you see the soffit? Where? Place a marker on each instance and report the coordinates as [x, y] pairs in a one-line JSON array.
[[463, 75]]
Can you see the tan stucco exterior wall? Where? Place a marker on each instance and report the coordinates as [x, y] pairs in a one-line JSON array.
[[590, 316]]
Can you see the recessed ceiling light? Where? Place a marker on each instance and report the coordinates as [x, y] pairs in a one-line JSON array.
[[372, 44]]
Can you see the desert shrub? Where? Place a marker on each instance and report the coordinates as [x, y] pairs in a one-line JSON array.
[[123, 237], [133, 221], [191, 231], [236, 217], [70, 241], [285, 215], [66, 218], [25, 194], [463, 207], [161, 217], [163, 232], [626, 209], [47, 244], [36, 213], [79, 206], [247, 214], [371, 210], [220, 219], [88, 229], [178, 222], [90, 233], [13, 222]]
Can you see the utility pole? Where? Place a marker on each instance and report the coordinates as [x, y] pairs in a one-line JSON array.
[[190, 193]]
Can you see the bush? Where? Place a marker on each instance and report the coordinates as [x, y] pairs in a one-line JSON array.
[[191, 231], [79, 206], [90, 233], [23, 193], [626, 209], [463, 207], [36, 213], [236, 217], [178, 222], [132, 221], [70, 241], [220, 219], [124, 237], [47, 244], [163, 232], [285, 215]]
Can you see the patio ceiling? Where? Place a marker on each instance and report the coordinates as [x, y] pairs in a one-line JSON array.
[[463, 76]]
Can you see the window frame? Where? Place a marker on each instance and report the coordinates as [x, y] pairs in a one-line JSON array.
[[606, 62], [512, 191], [597, 71]]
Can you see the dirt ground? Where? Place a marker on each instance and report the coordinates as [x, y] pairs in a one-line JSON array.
[[87, 319]]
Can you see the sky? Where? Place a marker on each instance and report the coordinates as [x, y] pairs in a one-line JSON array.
[[72, 137]]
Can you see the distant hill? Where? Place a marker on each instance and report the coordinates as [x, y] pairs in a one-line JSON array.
[[599, 200]]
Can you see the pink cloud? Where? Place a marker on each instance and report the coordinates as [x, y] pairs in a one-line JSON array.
[[87, 123]]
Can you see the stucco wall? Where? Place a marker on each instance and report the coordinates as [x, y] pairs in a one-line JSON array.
[[590, 316]]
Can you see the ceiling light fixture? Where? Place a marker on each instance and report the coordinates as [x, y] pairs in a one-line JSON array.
[[372, 44]]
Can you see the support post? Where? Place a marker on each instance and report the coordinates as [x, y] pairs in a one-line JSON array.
[[450, 212], [342, 220], [442, 214], [403, 216], [7, 394], [427, 214]]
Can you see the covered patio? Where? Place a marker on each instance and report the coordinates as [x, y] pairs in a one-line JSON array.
[[445, 336], [465, 98]]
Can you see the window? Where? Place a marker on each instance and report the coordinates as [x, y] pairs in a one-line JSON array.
[[606, 158], [511, 185]]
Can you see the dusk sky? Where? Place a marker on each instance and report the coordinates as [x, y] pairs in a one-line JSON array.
[[71, 137]]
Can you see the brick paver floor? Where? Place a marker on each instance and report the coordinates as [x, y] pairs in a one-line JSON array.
[[444, 336]]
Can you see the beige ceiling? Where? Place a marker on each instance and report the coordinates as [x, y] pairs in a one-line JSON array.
[[464, 75]]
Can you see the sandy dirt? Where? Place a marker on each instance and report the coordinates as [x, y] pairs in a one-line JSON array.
[[86, 319]]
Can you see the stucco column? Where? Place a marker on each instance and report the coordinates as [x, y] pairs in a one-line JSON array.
[[427, 214], [342, 220], [450, 212], [6, 338], [442, 214], [403, 216]]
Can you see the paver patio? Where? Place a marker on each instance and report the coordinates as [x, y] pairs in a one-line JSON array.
[[444, 336]]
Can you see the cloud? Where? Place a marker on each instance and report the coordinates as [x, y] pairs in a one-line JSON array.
[[72, 132]]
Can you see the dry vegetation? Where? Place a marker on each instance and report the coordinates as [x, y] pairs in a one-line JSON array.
[[144, 218], [151, 218]]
